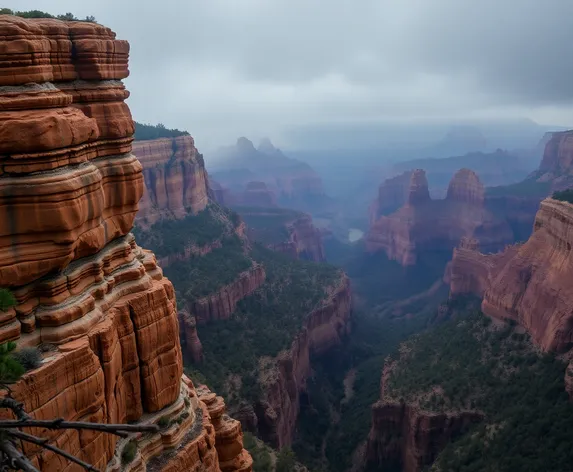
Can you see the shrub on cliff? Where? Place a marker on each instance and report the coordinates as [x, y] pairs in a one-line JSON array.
[[43, 14], [7, 300], [144, 132]]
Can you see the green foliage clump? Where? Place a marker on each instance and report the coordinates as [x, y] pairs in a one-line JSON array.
[[144, 132], [7, 299], [10, 368], [564, 195], [128, 453], [261, 453], [163, 422], [29, 357], [168, 237], [43, 14], [286, 460]]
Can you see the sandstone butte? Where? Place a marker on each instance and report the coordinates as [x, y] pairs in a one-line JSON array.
[[176, 182], [424, 224], [98, 303]]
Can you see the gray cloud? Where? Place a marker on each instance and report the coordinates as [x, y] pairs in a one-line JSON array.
[[223, 68]]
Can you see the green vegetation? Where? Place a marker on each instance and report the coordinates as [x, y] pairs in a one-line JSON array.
[[260, 452], [144, 132], [267, 321], [10, 368], [163, 422], [472, 364], [564, 195], [268, 225], [286, 461], [43, 14], [129, 451], [168, 237], [200, 276], [7, 299]]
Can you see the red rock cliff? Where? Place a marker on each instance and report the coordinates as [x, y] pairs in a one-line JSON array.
[[284, 377], [392, 194], [405, 437], [424, 224], [176, 182], [69, 192]]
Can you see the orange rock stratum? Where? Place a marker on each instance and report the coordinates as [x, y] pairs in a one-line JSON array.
[[97, 302]]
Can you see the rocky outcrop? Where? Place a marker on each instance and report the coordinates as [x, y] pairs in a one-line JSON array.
[[425, 225], [283, 378], [176, 182], [190, 342], [222, 304], [557, 162], [405, 437], [392, 194], [83, 287], [228, 434]]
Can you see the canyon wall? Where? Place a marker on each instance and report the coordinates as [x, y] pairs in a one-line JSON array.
[[96, 303], [176, 183], [405, 437], [392, 194], [423, 224], [285, 376], [221, 304]]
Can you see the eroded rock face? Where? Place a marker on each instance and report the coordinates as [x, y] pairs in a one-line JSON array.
[[392, 194], [257, 194], [284, 377], [425, 225], [176, 183], [83, 287], [222, 304], [405, 437]]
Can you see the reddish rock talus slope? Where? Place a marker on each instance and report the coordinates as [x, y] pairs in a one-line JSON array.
[[69, 192], [438, 225], [176, 183]]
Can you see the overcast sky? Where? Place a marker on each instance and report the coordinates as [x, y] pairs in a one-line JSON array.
[[225, 68]]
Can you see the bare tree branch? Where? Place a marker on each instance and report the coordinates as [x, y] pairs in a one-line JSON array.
[[43, 442], [15, 406], [17, 460], [117, 429]]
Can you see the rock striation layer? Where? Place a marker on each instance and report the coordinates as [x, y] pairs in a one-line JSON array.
[[176, 182], [83, 287], [425, 225], [284, 377]]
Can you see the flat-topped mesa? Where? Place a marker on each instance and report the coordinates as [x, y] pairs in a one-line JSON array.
[[176, 182], [418, 191], [466, 186], [69, 188]]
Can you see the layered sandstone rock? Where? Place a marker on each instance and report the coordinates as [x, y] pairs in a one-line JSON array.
[[425, 225], [557, 162], [228, 434], [392, 194], [176, 182], [285, 376], [221, 304], [83, 287], [405, 437]]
